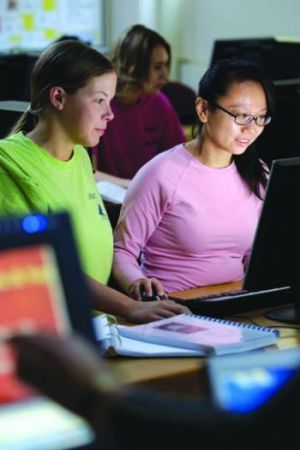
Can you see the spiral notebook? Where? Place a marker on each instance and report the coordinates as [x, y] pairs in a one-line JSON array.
[[112, 343], [183, 335]]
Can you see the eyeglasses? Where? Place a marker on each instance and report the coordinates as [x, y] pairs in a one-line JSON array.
[[246, 119]]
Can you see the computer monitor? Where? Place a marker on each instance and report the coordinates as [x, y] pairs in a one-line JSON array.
[[279, 58], [42, 287], [15, 69], [277, 242], [244, 383], [280, 138]]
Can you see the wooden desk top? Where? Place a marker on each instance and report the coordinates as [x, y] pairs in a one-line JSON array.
[[207, 290], [183, 374]]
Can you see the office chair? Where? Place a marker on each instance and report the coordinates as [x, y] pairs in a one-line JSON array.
[[183, 99]]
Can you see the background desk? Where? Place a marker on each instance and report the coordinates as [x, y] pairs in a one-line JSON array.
[[184, 375]]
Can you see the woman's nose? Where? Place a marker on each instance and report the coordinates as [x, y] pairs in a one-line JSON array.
[[109, 115], [165, 73]]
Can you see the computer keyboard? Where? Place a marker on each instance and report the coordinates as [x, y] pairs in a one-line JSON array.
[[235, 302]]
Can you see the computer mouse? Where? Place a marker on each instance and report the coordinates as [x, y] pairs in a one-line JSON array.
[[153, 297]]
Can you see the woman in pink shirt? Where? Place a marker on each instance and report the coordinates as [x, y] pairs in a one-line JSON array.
[[190, 214]]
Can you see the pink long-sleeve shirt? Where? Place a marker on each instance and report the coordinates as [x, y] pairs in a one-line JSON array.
[[193, 224]]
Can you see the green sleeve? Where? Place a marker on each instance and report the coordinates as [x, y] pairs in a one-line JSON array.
[[19, 194]]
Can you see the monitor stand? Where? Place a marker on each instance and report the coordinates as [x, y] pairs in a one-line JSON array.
[[286, 314]]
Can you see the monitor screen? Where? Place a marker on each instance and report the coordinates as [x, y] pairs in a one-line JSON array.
[[55, 232], [242, 384], [32, 299], [41, 288]]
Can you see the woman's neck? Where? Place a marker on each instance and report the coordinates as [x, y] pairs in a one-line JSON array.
[[129, 97], [53, 140], [207, 154]]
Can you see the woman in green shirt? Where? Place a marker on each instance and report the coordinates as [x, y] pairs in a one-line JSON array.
[[44, 166]]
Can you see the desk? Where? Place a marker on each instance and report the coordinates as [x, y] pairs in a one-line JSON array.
[[183, 375], [13, 105]]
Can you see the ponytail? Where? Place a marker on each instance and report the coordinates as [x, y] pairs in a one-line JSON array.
[[26, 122], [69, 64]]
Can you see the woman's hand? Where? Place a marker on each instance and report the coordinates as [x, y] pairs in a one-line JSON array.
[[146, 287], [141, 312]]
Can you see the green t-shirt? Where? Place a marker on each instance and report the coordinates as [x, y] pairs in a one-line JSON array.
[[32, 180]]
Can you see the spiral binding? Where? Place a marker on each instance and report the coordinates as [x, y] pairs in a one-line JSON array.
[[249, 326]]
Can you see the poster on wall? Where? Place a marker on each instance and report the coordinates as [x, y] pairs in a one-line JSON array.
[[33, 24]]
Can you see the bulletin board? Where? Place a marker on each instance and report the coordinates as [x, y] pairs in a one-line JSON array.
[[33, 24]]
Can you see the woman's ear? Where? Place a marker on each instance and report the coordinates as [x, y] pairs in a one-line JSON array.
[[202, 109], [57, 97]]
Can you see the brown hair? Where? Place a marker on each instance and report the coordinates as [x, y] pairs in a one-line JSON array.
[[132, 56], [68, 64]]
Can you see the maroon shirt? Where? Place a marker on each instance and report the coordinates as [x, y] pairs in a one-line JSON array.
[[137, 133]]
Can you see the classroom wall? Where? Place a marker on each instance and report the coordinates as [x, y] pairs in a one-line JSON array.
[[192, 26]]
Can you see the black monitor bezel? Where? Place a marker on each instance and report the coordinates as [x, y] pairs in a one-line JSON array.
[[58, 234], [275, 250]]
